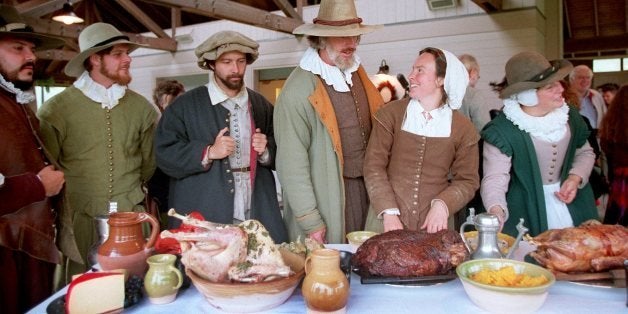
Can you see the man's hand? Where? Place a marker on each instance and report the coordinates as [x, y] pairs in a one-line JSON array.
[[500, 213], [318, 236], [223, 146], [52, 180], [392, 222], [569, 189], [436, 219], [259, 141]]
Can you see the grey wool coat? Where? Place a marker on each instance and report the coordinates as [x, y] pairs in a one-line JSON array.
[[187, 126]]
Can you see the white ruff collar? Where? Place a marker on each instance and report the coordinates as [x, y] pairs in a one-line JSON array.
[[550, 128], [21, 96], [332, 75], [107, 97]]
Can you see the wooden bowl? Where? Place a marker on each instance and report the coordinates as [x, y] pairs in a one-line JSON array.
[[251, 297]]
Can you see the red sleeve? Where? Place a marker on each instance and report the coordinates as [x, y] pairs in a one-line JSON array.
[[19, 191]]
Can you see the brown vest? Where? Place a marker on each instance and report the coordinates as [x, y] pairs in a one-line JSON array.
[[354, 123], [31, 228]]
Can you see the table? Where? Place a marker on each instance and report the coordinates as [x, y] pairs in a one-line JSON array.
[[564, 297]]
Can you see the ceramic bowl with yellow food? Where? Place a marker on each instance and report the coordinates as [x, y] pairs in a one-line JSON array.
[[505, 286], [356, 238]]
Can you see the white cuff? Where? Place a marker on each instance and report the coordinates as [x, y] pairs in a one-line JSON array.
[[389, 211]]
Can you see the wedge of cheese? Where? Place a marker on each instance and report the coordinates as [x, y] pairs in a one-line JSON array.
[[95, 293]]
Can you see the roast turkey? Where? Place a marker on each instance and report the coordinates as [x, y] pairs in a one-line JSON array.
[[223, 253], [587, 248], [405, 253]]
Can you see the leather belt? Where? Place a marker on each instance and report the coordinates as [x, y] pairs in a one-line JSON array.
[[241, 169]]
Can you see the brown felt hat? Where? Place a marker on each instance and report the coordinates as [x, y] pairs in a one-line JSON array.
[[225, 41], [336, 18], [531, 70], [12, 25]]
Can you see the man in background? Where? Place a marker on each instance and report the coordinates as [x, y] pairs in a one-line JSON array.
[[322, 124], [608, 91], [27, 249], [474, 106], [592, 104], [217, 142], [101, 133]]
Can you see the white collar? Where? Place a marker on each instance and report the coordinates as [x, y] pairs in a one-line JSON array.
[[217, 95], [332, 75], [415, 122], [21, 96], [550, 128], [107, 97]]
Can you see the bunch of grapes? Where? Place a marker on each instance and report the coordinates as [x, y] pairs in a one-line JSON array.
[[133, 291]]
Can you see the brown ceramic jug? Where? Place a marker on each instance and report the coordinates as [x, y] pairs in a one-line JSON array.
[[126, 248], [325, 287]]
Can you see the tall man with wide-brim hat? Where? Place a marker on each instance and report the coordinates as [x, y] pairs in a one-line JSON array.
[[322, 126], [101, 133], [216, 141], [27, 249], [537, 159]]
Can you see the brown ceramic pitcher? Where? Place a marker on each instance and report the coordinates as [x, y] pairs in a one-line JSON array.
[[126, 248], [325, 287]]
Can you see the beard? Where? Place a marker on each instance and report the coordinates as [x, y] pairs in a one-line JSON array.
[[121, 79], [237, 86], [339, 61], [13, 77]]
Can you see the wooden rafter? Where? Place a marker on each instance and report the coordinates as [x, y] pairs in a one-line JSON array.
[[37, 8], [594, 44], [72, 31], [222, 9], [288, 10], [143, 18]]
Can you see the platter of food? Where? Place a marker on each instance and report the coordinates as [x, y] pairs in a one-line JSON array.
[[409, 258], [591, 254]]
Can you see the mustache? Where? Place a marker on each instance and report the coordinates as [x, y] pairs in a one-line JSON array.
[[28, 63], [348, 50], [235, 76]]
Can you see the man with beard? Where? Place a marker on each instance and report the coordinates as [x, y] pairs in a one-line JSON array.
[[27, 249], [216, 141], [323, 122], [101, 133]]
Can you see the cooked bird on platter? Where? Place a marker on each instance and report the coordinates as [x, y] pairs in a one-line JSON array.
[[405, 253], [223, 253], [588, 248]]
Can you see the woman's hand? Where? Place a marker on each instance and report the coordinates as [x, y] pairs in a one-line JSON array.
[[501, 215], [392, 222], [436, 219], [568, 190]]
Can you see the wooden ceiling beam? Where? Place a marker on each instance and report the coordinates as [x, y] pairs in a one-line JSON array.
[[143, 18], [593, 44], [72, 31], [37, 8], [55, 54], [288, 10], [233, 11]]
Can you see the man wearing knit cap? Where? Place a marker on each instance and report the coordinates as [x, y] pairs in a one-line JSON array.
[[101, 133], [323, 122], [27, 249], [216, 141]]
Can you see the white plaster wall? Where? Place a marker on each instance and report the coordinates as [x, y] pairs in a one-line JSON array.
[[409, 27]]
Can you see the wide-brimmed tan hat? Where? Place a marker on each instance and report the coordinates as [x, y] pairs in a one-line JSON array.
[[530, 70], [12, 25], [336, 18], [214, 46], [94, 38]]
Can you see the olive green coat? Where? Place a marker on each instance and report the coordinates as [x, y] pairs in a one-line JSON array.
[[309, 155]]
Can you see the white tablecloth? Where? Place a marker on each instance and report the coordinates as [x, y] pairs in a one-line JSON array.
[[564, 297]]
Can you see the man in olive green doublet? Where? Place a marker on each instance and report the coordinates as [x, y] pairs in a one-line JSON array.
[[105, 154]]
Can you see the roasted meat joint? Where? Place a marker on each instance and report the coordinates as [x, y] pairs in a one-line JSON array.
[[587, 248], [405, 253]]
